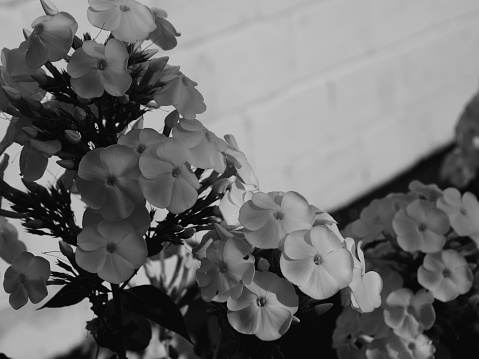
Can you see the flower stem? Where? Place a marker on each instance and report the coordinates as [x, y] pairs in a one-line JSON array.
[[121, 350]]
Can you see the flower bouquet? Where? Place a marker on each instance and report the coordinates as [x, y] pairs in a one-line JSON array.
[[263, 262], [424, 244]]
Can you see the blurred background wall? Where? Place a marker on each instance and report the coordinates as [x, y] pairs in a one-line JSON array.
[[329, 98]]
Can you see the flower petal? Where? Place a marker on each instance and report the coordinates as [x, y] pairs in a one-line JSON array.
[[89, 85], [183, 196], [36, 289], [117, 160], [18, 298], [91, 261], [116, 82], [80, 64], [116, 269], [157, 191], [90, 239], [253, 217], [133, 249]]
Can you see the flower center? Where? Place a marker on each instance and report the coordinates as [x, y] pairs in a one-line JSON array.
[[39, 29], [111, 247], [222, 267], [317, 259], [446, 273], [422, 227], [140, 148], [124, 8], [101, 65], [22, 278], [176, 172], [261, 302], [110, 181], [278, 215]]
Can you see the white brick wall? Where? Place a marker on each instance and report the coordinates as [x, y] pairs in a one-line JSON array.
[[293, 78], [327, 97], [318, 79]]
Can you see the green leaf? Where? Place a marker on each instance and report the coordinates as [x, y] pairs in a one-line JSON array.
[[70, 294], [157, 306]]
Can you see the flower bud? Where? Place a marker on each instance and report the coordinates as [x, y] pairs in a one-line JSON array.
[[67, 164], [12, 94], [217, 211], [263, 264], [72, 136], [188, 233], [66, 249], [33, 104], [77, 43], [124, 99], [40, 78], [177, 228], [26, 33], [213, 219], [34, 223], [4, 164], [170, 121], [31, 132], [220, 186], [79, 114], [35, 187], [49, 7], [138, 125], [149, 53]]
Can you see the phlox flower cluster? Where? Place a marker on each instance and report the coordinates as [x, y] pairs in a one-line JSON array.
[[147, 192], [240, 266], [116, 175], [423, 244]]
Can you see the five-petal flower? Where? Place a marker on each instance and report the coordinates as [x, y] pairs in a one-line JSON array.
[[268, 217], [421, 227], [95, 68], [113, 250], [108, 181], [409, 314], [26, 279], [446, 274], [50, 39], [128, 20], [463, 212], [265, 307], [166, 179], [228, 266], [316, 262]]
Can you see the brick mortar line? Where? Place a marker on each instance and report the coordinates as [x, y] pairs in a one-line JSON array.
[[257, 20], [188, 45], [327, 74]]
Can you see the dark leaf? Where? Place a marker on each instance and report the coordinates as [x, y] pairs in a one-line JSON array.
[[157, 306], [70, 294]]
